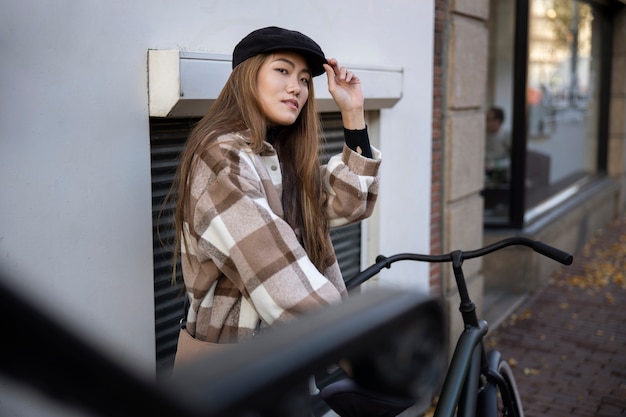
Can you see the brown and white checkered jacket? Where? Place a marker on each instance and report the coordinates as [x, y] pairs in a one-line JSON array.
[[243, 264]]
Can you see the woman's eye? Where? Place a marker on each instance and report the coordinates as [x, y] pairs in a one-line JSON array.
[[305, 81], [282, 70]]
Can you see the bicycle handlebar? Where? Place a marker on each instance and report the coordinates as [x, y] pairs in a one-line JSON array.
[[385, 262]]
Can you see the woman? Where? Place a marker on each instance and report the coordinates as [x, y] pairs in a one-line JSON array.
[[254, 207]]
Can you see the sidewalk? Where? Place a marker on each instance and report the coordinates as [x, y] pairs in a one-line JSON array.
[[566, 343]]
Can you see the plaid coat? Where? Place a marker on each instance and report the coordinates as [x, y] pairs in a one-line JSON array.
[[242, 263]]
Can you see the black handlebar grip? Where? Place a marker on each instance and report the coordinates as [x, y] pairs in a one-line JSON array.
[[553, 253], [380, 258]]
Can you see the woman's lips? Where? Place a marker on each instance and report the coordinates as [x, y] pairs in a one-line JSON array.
[[292, 103]]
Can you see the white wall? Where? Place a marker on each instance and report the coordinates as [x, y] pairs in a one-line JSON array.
[[75, 204]]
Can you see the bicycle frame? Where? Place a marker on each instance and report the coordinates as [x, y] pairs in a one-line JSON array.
[[469, 359], [459, 393]]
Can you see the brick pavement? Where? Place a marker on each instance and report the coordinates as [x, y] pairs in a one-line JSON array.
[[566, 343]]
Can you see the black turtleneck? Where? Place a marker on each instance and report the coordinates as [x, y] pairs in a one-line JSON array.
[[359, 141], [272, 133]]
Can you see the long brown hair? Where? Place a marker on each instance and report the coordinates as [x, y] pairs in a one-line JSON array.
[[236, 109]]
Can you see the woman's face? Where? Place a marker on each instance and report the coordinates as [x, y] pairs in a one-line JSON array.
[[283, 87]]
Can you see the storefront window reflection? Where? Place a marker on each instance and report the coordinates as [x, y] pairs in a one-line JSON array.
[[498, 120], [561, 104], [562, 98]]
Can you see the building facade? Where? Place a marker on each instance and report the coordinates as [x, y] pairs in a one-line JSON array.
[[555, 171]]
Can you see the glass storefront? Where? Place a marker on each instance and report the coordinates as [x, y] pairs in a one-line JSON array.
[[542, 142]]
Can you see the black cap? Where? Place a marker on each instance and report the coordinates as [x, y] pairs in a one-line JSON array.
[[272, 39]]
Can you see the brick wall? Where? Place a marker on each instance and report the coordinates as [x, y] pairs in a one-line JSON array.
[[437, 145]]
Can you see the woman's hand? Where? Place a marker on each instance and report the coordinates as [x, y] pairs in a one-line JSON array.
[[345, 88]]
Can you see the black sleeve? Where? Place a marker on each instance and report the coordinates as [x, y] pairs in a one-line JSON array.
[[358, 141]]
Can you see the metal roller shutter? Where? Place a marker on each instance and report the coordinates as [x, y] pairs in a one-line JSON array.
[[167, 138]]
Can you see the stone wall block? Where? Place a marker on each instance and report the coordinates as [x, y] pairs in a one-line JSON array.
[[467, 63], [465, 150], [475, 8]]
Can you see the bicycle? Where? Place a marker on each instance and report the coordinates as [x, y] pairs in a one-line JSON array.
[[259, 378], [478, 382]]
